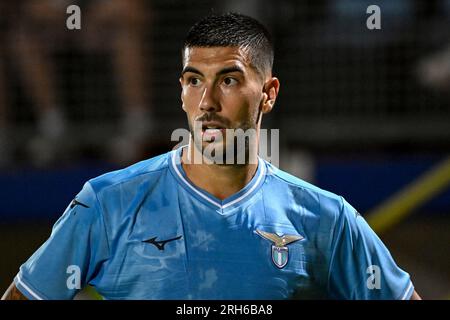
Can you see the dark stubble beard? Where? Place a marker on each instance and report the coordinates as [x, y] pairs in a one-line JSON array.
[[237, 149]]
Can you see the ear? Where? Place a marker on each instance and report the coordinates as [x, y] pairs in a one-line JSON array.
[[182, 99], [270, 93]]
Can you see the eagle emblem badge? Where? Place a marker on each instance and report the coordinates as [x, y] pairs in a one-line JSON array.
[[280, 251]]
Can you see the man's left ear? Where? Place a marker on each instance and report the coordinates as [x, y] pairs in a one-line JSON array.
[[270, 91]]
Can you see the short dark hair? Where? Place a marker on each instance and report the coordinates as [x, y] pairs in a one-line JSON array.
[[234, 30]]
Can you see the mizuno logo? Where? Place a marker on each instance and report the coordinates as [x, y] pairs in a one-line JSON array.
[[160, 244], [76, 202]]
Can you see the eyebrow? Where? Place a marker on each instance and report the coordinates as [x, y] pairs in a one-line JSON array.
[[221, 72]]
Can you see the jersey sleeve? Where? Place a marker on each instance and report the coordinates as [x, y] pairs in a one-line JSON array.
[[361, 266], [71, 256]]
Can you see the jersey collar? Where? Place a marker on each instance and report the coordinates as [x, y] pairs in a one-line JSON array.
[[231, 202]]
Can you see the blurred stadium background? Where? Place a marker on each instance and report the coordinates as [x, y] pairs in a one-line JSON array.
[[363, 113]]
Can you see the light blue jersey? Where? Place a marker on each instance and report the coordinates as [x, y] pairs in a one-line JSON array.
[[146, 232]]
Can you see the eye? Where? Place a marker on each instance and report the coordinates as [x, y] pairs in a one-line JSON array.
[[195, 82], [229, 81]]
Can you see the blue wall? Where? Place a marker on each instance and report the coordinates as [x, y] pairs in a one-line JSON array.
[[37, 194], [366, 183], [30, 193]]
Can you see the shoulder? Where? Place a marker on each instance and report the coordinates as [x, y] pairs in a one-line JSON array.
[[114, 193], [145, 169], [313, 200], [323, 211]]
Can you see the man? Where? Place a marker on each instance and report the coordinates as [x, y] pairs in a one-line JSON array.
[[167, 228]]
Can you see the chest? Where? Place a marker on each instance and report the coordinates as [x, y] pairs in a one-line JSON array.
[[187, 253]]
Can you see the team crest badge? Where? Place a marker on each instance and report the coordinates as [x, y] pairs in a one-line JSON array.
[[280, 251]]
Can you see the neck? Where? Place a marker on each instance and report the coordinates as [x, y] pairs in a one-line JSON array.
[[222, 181]]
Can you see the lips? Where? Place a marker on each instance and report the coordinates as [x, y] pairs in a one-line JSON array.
[[212, 131], [212, 125]]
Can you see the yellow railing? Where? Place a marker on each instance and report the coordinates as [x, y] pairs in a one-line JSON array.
[[402, 204]]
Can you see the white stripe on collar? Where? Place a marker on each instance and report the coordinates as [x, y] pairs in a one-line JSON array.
[[262, 173]]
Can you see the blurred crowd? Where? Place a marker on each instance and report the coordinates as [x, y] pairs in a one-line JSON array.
[[33, 36], [33, 30]]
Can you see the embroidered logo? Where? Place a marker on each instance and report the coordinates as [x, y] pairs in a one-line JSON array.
[[280, 251]]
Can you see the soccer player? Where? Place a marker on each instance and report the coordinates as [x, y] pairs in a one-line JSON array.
[[167, 228]]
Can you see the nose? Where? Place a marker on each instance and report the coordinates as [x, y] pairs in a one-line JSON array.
[[209, 101]]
